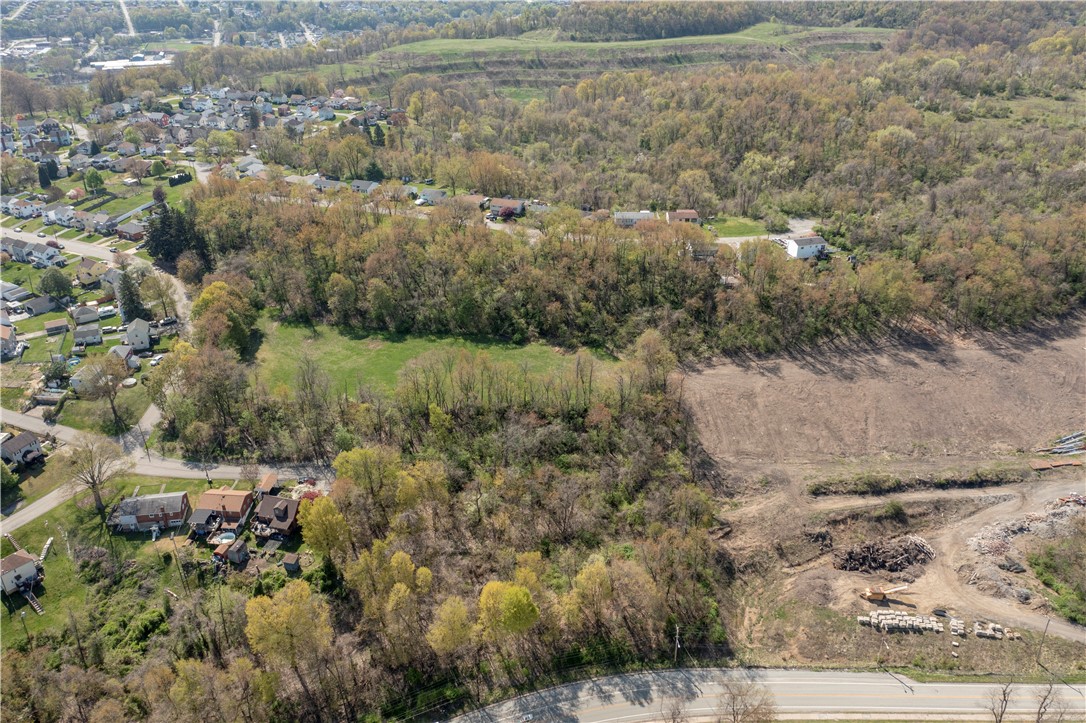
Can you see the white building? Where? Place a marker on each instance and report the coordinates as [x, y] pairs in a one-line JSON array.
[[19, 571], [805, 247]]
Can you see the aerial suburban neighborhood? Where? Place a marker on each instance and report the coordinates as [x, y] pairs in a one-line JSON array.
[[428, 361]]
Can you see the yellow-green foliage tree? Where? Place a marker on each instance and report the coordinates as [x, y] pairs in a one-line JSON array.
[[505, 609]]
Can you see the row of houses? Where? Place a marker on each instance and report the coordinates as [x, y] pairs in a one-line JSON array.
[[30, 252]]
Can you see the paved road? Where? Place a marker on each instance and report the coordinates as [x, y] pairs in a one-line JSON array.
[[645, 696], [19, 10]]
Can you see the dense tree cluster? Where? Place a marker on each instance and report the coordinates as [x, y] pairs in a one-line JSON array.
[[483, 517]]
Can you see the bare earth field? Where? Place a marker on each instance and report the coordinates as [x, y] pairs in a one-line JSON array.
[[984, 396], [774, 425]]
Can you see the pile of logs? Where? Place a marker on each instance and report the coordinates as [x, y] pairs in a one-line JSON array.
[[893, 555]]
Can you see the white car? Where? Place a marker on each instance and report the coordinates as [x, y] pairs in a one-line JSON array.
[[156, 360]]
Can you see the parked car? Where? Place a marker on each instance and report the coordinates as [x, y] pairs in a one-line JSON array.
[[108, 329], [429, 181], [156, 360], [19, 228], [41, 234], [122, 327], [145, 355], [112, 250], [167, 321], [53, 243]]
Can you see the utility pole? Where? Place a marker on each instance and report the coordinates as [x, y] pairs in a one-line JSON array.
[[180, 567], [675, 657]]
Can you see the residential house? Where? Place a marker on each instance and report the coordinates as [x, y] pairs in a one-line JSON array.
[[102, 161], [224, 507], [84, 314], [79, 162], [497, 205], [104, 224], [5, 204], [40, 252], [17, 249], [13, 292], [27, 208], [126, 149], [432, 195], [362, 186], [40, 305], [805, 247], [683, 215], [89, 271], [629, 219], [23, 448], [149, 149], [326, 184], [138, 336], [275, 517], [8, 345], [139, 514], [59, 213], [87, 335], [84, 147], [56, 326], [131, 231], [20, 571], [326, 114], [125, 354]]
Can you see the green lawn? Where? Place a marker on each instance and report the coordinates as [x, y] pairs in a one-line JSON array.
[[9, 222], [43, 348], [531, 43], [374, 360], [12, 397], [733, 226], [37, 323], [43, 479], [72, 233], [76, 524], [95, 416]]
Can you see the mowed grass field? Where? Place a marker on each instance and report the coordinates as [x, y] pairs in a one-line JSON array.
[[530, 43], [374, 360]]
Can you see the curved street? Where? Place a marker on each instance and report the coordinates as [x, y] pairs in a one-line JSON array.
[[697, 694]]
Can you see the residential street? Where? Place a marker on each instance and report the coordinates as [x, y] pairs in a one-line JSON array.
[[797, 694], [145, 462]]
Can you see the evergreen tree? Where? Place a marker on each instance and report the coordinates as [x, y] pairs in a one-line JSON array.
[[378, 136], [374, 173], [54, 170], [128, 296], [94, 149], [43, 176], [368, 134]]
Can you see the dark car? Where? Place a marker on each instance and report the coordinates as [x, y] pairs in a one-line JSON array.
[[53, 243], [145, 355]]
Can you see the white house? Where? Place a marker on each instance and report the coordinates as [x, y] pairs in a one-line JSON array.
[[19, 571], [23, 448], [8, 345], [138, 335], [629, 219], [87, 334], [805, 247]]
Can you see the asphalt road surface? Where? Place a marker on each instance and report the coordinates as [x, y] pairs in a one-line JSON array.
[[640, 697]]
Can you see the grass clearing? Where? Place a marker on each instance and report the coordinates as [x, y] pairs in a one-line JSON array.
[[739, 226], [375, 359], [72, 233], [43, 348], [95, 416]]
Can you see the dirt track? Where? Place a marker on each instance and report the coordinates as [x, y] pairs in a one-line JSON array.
[[978, 398]]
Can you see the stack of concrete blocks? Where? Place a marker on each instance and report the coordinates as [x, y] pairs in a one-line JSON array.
[[988, 630], [957, 627], [894, 621]]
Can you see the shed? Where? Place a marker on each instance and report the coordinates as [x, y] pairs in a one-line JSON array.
[[291, 562], [238, 552]]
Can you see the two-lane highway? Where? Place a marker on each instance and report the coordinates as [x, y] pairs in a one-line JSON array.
[[642, 697]]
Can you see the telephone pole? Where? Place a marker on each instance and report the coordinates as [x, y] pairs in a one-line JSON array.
[[675, 657]]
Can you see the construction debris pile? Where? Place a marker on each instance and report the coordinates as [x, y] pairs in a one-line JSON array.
[[993, 631], [996, 539], [893, 555], [893, 621]]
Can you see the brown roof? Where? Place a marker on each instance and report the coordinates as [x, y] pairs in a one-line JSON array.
[[233, 501], [683, 213], [277, 512], [16, 560], [222, 549], [269, 482], [290, 559]]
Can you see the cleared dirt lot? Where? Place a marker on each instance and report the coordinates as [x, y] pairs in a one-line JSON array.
[[978, 397]]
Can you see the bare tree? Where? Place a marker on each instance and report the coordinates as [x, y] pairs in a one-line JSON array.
[[157, 289], [102, 380], [95, 461], [744, 701], [1050, 706], [673, 710], [998, 701]]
